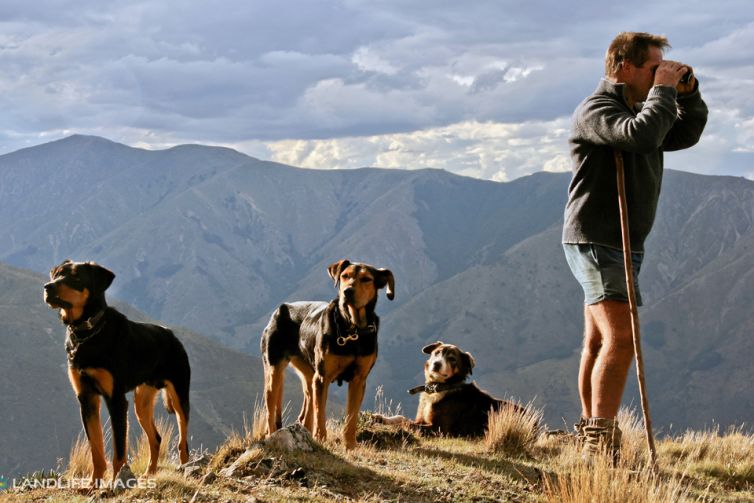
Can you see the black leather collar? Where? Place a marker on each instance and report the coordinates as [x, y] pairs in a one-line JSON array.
[[81, 332], [88, 324], [436, 387], [352, 333]]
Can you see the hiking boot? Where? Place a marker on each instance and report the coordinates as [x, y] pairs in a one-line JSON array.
[[578, 431], [602, 435]]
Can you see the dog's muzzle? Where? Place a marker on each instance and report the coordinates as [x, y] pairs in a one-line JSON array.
[[49, 292], [51, 297], [348, 294]]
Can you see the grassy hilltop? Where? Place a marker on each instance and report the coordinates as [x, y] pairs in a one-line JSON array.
[[390, 464]]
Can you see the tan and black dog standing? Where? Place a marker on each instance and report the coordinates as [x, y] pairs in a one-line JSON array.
[[326, 342], [108, 356], [449, 405]]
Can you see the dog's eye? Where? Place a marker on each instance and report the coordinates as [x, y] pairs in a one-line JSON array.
[[366, 280], [75, 283]]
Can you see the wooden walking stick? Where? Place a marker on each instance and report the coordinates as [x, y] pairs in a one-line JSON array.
[[628, 266]]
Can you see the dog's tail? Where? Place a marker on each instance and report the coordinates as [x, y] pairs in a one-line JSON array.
[[167, 401]]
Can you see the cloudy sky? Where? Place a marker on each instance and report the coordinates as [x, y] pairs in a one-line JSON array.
[[480, 88]]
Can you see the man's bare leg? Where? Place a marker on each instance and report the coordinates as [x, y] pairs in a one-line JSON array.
[[592, 345], [606, 357], [612, 320]]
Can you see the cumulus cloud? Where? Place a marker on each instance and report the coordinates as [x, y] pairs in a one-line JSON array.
[[495, 151], [369, 61]]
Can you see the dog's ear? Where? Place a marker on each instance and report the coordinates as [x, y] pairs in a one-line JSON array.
[[55, 269], [428, 349], [335, 269], [468, 361], [384, 277], [101, 278]]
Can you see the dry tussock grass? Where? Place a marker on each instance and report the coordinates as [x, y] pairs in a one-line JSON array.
[[238, 442], [727, 458], [580, 480], [383, 406], [139, 458], [597, 480], [633, 452], [696, 466], [80, 459], [511, 432], [258, 428]]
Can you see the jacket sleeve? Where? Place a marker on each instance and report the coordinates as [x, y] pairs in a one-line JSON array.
[[692, 117], [603, 120]]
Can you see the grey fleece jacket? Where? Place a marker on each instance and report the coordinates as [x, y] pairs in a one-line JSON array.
[[604, 121]]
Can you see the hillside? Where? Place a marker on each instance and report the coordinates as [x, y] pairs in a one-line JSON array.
[[397, 465], [477, 263]]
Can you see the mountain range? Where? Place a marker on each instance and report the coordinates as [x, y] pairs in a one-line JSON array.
[[214, 240]]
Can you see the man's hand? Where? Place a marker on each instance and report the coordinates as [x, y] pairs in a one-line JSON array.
[[669, 74], [688, 87]]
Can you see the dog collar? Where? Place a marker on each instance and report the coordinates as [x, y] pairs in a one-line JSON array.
[[87, 324], [95, 322], [436, 387], [354, 336]]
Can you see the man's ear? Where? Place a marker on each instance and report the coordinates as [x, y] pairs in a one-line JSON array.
[[335, 269], [384, 277], [428, 349], [102, 278], [468, 360]]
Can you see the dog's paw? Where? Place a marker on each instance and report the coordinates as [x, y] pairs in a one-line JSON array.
[[378, 419], [392, 420]]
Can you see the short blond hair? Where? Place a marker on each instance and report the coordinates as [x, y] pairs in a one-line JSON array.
[[631, 46]]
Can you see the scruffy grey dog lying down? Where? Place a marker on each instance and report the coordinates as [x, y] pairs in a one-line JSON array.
[[448, 404]]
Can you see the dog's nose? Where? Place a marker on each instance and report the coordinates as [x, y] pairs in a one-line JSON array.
[[436, 366], [49, 287], [348, 292]]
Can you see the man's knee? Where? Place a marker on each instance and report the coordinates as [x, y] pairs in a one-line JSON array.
[[592, 336], [592, 346], [621, 346]]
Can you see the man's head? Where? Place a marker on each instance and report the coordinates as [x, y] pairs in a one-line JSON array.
[[632, 59]]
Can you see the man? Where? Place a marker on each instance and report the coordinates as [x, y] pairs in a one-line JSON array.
[[640, 108]]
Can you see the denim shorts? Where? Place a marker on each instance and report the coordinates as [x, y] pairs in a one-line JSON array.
[[600, 271]]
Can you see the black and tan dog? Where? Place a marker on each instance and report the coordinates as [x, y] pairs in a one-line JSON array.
[[448, 404], [109, 355], [326, 342]]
